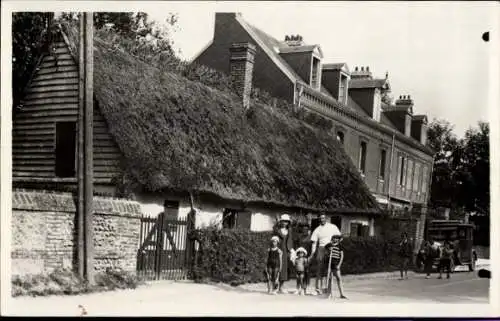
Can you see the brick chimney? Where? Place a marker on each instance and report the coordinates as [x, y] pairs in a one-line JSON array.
[[405, 104], [242, 57], [294, 40]]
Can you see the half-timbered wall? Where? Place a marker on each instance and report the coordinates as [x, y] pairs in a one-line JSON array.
[[51, 97]]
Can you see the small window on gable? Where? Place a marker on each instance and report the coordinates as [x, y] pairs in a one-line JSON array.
[[315, 73], [340, 137], [362, 157], [65, 149]]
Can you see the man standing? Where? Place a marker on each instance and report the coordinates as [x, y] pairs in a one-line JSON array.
[[405, 253], [320, 237]]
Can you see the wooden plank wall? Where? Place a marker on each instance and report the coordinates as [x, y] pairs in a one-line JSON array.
[[52, 97]]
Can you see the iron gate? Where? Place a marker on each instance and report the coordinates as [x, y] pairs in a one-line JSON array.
[[165, 250]]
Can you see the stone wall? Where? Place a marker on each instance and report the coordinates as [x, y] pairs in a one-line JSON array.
[[44, 236]]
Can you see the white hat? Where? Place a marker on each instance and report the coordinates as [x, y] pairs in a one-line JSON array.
[[301, 249], [275, 238], [285, 217]]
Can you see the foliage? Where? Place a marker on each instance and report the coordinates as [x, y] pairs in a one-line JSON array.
[[66, 282], [28, 31], [237, 256], [461, 167]]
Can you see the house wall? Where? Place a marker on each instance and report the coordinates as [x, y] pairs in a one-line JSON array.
[[52, 96], [210, 214], [266, 76], [355, 132], [44, 236]]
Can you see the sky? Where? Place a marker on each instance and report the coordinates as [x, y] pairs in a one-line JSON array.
[[432, 51]]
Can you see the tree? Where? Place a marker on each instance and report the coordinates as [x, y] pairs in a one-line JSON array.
[[476, 166], [445, 178], [461, 168], [134, 32], [28, 31]]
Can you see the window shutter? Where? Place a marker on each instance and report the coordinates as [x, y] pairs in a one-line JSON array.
[[244, 219]]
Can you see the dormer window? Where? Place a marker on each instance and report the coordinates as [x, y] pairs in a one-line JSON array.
[[343, 89], [315, 73]]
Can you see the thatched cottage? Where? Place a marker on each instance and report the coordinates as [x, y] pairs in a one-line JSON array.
[[161, 138]]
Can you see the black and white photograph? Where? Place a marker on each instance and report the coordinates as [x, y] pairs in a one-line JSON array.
[[261, 158]]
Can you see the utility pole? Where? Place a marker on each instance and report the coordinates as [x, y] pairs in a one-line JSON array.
[[88, 155], [85, 148], [81, 148]]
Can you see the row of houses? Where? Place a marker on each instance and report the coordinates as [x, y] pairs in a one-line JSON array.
[[172, 143]]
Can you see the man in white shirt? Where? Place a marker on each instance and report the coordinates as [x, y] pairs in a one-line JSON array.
[[320, 237]]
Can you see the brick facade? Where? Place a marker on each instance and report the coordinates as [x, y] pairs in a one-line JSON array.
[[44, 236]]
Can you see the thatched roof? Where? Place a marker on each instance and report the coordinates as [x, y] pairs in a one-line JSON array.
[[178, 134]]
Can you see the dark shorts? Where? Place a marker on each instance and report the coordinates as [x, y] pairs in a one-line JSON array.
[[445, 263], [321, 267]]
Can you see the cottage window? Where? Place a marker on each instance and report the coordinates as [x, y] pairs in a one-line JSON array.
[[233, 218], [171, 208], [359, 230], [65, 149], [362, 157], [340, 137], [383, 154]]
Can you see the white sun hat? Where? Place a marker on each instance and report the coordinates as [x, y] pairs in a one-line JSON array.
[[301, 249], [275, 238], [285, 217]]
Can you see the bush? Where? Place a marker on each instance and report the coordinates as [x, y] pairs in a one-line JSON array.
[[238, 256], [64, 281]]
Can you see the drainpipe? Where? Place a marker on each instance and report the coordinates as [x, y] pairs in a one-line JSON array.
[[390, 172]]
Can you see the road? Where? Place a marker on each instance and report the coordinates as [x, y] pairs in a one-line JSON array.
[[168, 298]]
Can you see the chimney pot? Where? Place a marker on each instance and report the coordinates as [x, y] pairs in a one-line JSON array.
[[409, 97], [367, 68], [287, 38], [356, 69], [400, 97], [362, 68]]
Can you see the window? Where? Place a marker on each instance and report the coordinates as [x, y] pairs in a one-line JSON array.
[[416, 178], [343, 89], [315, 77], [359, 230], [424, 179], [409, 174], [65, 149], [362, 157], [402, 172], [340, 137], [232, 218], [171, 208], [383, 154]]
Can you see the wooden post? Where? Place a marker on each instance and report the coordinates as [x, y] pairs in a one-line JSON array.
[[80, 230], [88, 153]]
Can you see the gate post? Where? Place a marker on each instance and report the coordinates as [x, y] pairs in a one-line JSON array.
[[159, 245]]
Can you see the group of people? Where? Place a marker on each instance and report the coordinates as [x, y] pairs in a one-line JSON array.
[[322, 249], [432, 252]]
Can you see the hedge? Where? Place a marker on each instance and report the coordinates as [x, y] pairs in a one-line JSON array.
[[238, 256]]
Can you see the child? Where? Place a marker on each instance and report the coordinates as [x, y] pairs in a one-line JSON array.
[[301, 263], [445, 260], [405, 253], [335, 259], [274, 264]]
